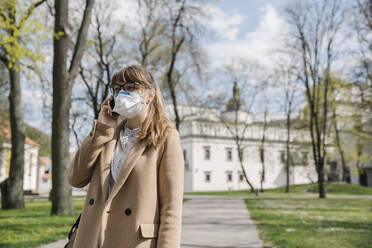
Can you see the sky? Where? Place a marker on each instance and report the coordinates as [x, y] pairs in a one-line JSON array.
[[245, 28], [248, 29], [251, 11]]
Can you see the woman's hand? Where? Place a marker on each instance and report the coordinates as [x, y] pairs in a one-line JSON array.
[[106, 116]]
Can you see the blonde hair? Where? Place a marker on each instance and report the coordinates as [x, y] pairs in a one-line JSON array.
[[156, 126]]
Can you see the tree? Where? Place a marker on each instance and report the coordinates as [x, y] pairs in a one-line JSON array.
[[262, 150], [245, 74], [286, 77], [347, 128], [362, 77], [104, 55], [17, 32], [181, 29], [362, 27], [235, 128], [335, 86], [314, 27], [63, 79], [152, 33]]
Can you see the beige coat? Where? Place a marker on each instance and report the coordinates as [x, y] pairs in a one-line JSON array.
[[144, 209]]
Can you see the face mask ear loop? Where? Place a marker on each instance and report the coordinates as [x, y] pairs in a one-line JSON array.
[[146, 105]]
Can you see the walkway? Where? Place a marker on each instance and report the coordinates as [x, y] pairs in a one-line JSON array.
[[217, 222], [212, 222]]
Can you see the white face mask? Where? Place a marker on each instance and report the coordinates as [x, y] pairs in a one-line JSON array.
[[128, 104]]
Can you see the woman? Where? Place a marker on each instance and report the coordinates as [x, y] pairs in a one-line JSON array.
[[135, 168]]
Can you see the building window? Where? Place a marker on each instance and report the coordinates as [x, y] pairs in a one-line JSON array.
[[229, 154], [229, 176], [241, 176], [207, 152], [207, 176], [187, 165], [282, 157], [305, 158]]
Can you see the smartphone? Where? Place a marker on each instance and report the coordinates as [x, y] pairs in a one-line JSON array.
[[112, 105]]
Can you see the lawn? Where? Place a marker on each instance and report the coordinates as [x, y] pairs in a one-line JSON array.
[[307, 190], [312, 223], [33, 225], [331, 188]]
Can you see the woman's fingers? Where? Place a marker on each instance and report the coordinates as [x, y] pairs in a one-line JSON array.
[[105, 109], [105, 102]]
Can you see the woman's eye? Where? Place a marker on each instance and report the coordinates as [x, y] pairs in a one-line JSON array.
[[129, 88]]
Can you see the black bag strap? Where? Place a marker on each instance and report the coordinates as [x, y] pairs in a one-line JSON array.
[[74, 227]]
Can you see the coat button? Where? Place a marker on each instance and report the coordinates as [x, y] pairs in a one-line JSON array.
[[128, 211], [91, 201]]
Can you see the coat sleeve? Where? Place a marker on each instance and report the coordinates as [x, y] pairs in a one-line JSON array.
[[81, 167], [171, 176]]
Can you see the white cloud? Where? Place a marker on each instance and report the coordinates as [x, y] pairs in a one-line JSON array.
[[255, 45], [127, 12], [225, 25]]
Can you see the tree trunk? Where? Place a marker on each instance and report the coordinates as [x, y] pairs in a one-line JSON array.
[[321, 185], [322, 193], [262, 151], [171, 86], [287, 152], [240, 156], [246, 178], [61, 193], [12, 187], [338, 143]]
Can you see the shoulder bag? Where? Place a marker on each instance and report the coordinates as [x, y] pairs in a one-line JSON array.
[[72, 234]]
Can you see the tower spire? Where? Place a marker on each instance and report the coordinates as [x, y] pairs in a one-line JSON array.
[[236, 102]]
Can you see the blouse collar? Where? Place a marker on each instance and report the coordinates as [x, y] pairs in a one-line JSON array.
[[131, 131]]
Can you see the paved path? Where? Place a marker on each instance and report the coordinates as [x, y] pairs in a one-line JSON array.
[[217, 221], [58, 244], [212, 222]]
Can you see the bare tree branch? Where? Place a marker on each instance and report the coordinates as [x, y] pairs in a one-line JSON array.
[[81, 41]]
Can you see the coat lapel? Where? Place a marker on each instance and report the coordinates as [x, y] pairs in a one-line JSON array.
[[105, 168], [128, 164]]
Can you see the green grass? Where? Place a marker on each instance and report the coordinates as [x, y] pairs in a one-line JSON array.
[[295, 190], [312, 223], [331, 188], [33, 225], [222, 193]]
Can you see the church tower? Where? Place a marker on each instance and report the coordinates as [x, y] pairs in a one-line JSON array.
[[236, 108]]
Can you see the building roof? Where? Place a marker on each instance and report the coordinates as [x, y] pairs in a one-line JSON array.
[[5, 131], [295, 123]]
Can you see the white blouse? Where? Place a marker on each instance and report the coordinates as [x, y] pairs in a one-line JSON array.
[[125, 143]]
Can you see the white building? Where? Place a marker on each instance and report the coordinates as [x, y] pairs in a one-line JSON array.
[[44, 175], [211, 157], [35, 179], [355, 128]]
